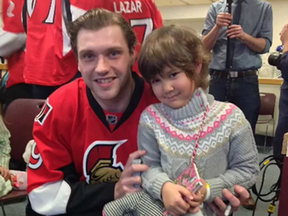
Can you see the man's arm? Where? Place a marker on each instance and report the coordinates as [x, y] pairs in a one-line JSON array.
[[222, 20], [210, 39], [11, 42], [258, 45], [263, 41], [12, 36], [68, 195]]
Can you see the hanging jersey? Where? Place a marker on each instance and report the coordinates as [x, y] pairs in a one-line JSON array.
[[49, 59], [12, 24], [77, 153]]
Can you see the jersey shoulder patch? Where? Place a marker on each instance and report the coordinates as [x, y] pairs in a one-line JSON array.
[[43, 114]]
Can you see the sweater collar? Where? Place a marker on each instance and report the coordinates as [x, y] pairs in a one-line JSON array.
[[195, 106]]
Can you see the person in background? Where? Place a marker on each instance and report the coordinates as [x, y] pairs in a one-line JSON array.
[[282, 126], [54, 64], [81, 140], [12, 45], [5, 149], [187, 131], [234, 78]]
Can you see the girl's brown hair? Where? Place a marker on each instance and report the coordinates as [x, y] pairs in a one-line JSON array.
[[174, 46]]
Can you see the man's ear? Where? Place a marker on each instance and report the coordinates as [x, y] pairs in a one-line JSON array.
[[78, 66], [133, 56]]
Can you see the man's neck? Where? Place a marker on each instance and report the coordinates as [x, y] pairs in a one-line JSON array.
[[122, 101]]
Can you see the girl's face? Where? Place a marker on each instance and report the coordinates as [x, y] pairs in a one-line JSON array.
[[172, 87]]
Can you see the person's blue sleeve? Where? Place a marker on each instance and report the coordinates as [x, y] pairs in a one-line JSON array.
[[210, 20], [266, 31]]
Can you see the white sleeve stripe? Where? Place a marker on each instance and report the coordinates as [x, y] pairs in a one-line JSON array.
[[51, 198]]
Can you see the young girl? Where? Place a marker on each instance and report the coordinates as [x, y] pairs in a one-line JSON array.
[[188, 132], [9, 179], [5, 149]]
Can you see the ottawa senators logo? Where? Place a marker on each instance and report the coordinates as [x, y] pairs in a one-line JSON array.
[[106, 168]]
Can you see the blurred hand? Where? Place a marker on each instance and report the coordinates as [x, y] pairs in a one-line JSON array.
[[5, 173], [284, 34], [195, 203], [174, 197], [235, 31], [223, 19], [127, 180], [219, 207]]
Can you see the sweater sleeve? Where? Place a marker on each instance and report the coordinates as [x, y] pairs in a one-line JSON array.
[[5, 147], [155, 177], [243, 164]]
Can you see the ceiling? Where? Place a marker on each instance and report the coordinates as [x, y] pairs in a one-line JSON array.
[[187, 2], [181, 2]]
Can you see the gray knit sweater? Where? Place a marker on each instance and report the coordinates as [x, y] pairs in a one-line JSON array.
[[226, 155]]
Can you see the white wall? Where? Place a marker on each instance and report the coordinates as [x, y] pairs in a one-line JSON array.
[[0, 13], [280, 18]]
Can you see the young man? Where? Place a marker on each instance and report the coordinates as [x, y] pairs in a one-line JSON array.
[[250, 34], [54, 64], [86, 132], [12, 44]]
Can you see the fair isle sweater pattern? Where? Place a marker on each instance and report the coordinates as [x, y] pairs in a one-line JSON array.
[[186, 130], [182, 131]]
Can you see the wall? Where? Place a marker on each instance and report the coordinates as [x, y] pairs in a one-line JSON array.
[[0, 13]]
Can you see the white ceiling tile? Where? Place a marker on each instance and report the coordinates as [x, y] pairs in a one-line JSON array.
[[193, 2], [169, 2]]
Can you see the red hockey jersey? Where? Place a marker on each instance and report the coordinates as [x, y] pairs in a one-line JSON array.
[[49, 59], [11, 18], [77, 159]]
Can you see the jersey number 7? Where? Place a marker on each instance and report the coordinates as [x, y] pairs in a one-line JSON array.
[[146, 23]]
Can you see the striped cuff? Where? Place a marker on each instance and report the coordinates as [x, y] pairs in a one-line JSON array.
[[158, 184], [216, 186]]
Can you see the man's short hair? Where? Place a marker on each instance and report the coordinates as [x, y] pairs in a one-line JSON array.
[[97, 19]]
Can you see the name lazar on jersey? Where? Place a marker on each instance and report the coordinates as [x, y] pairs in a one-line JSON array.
[[128, 7]]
